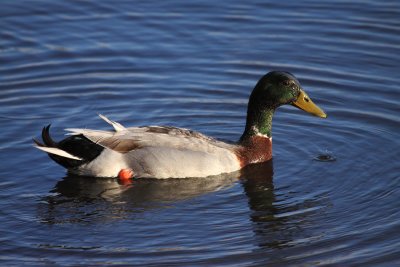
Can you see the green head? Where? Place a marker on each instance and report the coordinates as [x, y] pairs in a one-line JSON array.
[[275, 89]]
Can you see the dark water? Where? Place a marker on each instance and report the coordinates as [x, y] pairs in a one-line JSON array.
[[329, 198]]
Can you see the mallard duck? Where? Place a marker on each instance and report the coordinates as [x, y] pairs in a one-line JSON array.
[[171, 152]]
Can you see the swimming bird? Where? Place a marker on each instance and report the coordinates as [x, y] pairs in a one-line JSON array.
[[171, 152]]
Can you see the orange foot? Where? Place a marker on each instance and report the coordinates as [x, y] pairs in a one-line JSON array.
[[125, 174]]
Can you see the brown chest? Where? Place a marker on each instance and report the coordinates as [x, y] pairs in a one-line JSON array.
[[254, 150]]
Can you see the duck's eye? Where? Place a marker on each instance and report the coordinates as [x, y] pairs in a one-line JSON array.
[[286, 83], [306, 99]]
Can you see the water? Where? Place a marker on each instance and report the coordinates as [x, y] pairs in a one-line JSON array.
[[330, 196]]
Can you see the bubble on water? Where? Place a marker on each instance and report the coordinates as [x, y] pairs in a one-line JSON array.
[[325, 156]]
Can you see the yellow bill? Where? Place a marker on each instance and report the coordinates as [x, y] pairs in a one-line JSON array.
[[303, 102]]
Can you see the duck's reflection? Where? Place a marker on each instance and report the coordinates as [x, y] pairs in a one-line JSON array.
[[88, 200], [279, 218], [76, 198], [143, 190], [268, 227], [82, 199]]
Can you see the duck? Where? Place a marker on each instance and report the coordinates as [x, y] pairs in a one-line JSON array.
[[171, 152]]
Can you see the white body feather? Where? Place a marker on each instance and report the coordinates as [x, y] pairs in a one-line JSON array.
[[157, 152]]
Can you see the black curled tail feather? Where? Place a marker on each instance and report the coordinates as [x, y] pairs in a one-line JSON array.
[[76, 145], [48, 141]]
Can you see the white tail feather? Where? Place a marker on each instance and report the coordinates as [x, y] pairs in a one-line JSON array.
[[58, 152], [117, 126], [77, 131]]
